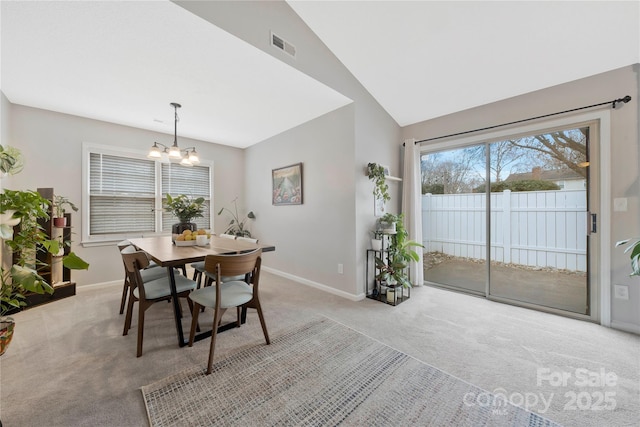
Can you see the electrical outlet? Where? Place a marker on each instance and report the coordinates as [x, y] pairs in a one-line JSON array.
[[621, 292], [340, 269]]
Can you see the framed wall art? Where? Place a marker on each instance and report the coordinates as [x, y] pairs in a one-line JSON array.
[[287, 185]]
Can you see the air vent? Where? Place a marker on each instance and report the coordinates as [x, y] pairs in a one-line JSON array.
[[283, 45]]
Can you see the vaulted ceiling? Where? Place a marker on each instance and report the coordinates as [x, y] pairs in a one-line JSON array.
[[124, 62]]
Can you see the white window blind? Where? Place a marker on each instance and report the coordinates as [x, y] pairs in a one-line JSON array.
[[127, 193], [192, 181], [122, 195]]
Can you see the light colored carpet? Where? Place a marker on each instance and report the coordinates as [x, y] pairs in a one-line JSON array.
[[324, 373], [69, 365]]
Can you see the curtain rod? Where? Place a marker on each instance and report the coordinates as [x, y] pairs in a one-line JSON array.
[[614, 104]]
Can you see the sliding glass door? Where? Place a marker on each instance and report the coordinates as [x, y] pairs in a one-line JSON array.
[[454, 218], [507, 219]]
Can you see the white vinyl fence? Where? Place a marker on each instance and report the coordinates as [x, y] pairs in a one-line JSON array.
[[533, 228]]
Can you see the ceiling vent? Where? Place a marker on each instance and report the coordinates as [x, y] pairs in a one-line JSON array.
[[283, 45]]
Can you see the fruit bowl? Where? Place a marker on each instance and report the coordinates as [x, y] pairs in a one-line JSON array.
[[185, 242]]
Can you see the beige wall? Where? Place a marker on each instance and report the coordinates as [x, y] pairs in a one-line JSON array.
[[625, 160], [334, 222], [52, 146]]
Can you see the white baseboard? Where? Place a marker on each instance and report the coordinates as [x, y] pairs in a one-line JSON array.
[[313, 284], [93, 285], [627, 327]]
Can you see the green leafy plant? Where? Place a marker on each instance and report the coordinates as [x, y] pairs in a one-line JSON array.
[[59, 202], [375, 172], [392, 267], [237, 226], [15, 283], [634, 248], [10, 160], [185, 208], [23, 276]]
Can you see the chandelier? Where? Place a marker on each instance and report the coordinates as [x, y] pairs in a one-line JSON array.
[[187, 156]]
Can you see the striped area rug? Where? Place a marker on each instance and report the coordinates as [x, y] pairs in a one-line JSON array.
[[324, 373]]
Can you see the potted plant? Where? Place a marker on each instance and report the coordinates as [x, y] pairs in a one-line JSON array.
[[376, 240], [184, 208], [392, 268], [237, 226], [23, 208], [634, 248], [376, 173], [10, 160], [59, 202], [23, 276], [387, 223]]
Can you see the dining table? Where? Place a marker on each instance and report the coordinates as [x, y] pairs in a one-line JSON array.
[[168, 254]]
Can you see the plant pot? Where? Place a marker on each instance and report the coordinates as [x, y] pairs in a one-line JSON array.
[[60, 222], [376, 244], [8, 219], [56, 269], [6, 332], [179, 227], [388, 227]]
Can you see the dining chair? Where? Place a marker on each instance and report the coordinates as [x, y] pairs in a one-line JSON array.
[[146, 293], [149, 273], [223, 295], [198, 267]]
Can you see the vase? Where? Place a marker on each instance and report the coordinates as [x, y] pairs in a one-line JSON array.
[[6, 332], [179, 227]]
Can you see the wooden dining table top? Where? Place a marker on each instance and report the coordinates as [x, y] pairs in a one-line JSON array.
[[166, 254]]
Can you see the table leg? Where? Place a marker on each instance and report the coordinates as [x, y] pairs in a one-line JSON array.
[[176, 307]]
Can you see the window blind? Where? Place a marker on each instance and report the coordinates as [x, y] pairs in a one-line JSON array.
[[124, 191], [192, 181], [121, 195]]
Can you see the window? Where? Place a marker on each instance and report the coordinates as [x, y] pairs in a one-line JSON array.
[[126, 193]]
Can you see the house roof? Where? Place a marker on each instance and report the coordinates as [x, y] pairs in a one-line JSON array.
[[564, 174], [124, 62]]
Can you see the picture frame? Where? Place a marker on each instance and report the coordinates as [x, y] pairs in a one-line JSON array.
[[286, 184]]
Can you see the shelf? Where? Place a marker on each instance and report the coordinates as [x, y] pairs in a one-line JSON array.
[[392, 178]]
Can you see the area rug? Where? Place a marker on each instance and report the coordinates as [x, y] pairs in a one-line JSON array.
[[324, 373]]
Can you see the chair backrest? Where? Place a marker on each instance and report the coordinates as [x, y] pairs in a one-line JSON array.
[[248, 239], [134, 260], [228, 236], [235, 265], [123, 244]]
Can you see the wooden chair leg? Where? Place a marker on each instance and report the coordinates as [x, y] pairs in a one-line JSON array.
[[238, 314], [194, 323], [217, 317], [141, 310], [125, 291], [127, 319], [262, 322]]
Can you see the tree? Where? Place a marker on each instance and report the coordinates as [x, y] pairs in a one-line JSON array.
[[449, 174], [566, 148]]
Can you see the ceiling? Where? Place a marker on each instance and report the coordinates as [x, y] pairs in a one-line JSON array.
[[124, 62]]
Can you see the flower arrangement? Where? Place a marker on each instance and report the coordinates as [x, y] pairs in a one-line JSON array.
[[185, 208]]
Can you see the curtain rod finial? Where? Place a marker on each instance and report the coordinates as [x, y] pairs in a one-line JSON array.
[[619, 103]]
